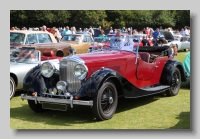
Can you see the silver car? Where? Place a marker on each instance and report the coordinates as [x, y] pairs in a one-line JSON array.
[[21, 61], [183, 43]]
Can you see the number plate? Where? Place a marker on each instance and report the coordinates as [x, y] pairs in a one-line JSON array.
[[54, 106]]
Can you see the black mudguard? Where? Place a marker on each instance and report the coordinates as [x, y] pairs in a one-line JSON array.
[[35, 82], [170, 65], [91, 86]]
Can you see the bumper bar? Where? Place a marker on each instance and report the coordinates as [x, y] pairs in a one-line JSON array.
[[58, 101]]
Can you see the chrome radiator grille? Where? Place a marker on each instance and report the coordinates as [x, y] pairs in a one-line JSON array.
[[67, 74]]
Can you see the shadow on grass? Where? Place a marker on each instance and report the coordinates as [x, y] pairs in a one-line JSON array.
[[184, 121], [185, 85], [76, 115]]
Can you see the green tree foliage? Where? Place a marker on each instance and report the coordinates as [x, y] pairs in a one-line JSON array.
[[86, 18], [106, 18], [182, 18]]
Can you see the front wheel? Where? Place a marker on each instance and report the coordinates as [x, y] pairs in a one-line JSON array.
[[105, 101], [35, 107], [12, 87], [176, 83]]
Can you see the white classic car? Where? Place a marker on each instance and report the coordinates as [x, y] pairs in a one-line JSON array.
[[183, 43]]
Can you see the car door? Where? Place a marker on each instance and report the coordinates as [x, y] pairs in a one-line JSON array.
[[145, 70]]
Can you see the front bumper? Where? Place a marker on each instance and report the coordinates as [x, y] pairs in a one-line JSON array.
[[57, 100]]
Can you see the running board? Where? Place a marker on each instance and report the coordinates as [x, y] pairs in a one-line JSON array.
[[157, 88]]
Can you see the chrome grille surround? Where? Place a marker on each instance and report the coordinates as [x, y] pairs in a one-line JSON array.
[[67, 65]]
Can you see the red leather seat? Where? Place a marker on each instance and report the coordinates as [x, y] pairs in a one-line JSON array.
[[144, 56], [47, 55]]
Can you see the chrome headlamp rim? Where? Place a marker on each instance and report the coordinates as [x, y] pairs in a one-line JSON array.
[[53, 69], [85, 73], [63, 85]]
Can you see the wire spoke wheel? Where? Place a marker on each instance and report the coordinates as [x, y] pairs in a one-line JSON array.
[[175, 83], [105, 101]]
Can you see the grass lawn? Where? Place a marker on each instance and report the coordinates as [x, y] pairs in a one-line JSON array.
[[152, 112]]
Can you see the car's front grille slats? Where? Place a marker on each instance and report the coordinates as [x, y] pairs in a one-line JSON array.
[[67, 74]]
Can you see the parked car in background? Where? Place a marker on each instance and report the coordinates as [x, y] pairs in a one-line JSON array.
[[177, 37], [80, 42], [40, 40], [97, 79], [183, 43], [22, 60]]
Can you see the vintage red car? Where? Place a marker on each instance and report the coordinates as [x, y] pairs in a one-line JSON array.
[[97, 79]]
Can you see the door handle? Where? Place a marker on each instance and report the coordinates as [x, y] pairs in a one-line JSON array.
[[156, 67]]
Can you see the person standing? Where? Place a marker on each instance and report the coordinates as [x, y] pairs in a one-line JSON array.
[[102, 36], [155, 35], [73, 30], [66, 31], [111, 30], [91, 30], [44, 28], [116, 40]]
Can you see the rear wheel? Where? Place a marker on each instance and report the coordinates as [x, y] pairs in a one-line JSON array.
[[12, 87], [105, 101], [176, 83]]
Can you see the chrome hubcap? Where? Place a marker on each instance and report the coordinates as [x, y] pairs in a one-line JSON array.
[[110, 100]]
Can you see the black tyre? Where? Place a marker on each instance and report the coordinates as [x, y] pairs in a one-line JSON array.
[[59, 54], [176, 83], [12, 87], [105, 101], [35, 107]]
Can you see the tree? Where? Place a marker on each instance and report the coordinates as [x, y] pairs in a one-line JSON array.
[[86, 18]]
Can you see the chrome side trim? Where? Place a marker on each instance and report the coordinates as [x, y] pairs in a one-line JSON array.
[[57, 100]]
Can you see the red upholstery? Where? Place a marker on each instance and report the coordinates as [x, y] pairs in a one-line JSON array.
[[48, 55], [144, 56]]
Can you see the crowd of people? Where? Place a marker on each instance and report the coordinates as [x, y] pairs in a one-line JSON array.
[[151, 34]]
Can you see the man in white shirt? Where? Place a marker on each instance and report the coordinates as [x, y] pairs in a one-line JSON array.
[[111, 30], [91, 30], [186, 32]]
